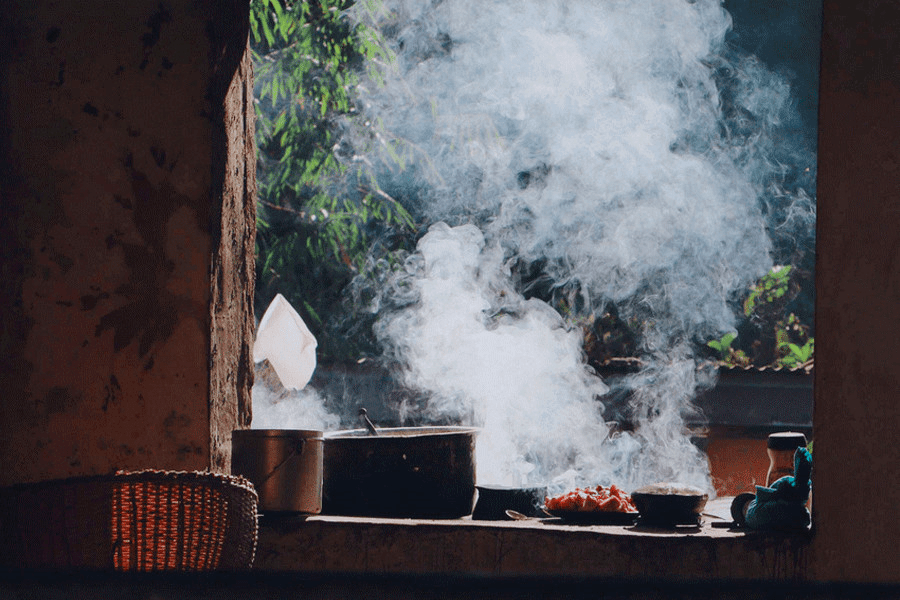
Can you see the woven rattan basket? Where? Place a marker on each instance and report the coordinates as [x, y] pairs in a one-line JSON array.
[[131, 521]]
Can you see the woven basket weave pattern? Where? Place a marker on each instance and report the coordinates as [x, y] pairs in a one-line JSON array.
[[131, 521]]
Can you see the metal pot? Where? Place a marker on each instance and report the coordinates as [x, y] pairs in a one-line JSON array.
[[669, 504], [284, 465], [405, 472], [494, 500]]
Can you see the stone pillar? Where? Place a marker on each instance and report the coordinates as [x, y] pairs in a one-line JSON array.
[[127, 233], [857, 379]]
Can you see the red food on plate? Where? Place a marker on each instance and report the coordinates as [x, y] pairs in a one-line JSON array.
[[595, 499]]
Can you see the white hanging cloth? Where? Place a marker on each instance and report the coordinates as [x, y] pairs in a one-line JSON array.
[[288, 344]]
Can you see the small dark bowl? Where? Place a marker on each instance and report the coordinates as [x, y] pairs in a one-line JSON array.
[[666, 504], [493, 502]]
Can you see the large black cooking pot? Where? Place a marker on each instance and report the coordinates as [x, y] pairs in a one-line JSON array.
[[405, 472]]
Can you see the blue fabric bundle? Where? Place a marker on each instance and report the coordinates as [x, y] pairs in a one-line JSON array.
[[782, 506]]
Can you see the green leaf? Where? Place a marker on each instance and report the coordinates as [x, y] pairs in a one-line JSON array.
[[723, 345], [267, 31], [254, 28], [276, 88], [312, 312], [280, 19]]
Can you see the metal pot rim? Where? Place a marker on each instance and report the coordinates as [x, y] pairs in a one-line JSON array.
[[401, 432], [500, 489], [670, 490], [307, 434]]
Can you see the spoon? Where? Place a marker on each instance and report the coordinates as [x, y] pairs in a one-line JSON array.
[[517, 516]]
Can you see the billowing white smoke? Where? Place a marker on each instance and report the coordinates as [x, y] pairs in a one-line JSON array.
[[290, 409], [490, 358], [588, 136]]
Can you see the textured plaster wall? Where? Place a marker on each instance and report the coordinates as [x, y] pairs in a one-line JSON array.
[[113, 154], [857, 387], [233, 274]]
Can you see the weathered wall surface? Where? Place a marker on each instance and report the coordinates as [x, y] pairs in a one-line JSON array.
[[526, 548], [857, 387], [113, 155], [233, 272]]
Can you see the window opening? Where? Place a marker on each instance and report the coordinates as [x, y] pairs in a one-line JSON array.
[[479, 210]]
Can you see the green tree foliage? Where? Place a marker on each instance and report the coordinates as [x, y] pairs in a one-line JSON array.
[[319, 205]]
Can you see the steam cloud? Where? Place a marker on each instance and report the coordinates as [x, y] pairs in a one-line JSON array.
[[488, 357], [290, 409], [591, 139]]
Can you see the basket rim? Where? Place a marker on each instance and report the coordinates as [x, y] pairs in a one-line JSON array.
[[142, 475]]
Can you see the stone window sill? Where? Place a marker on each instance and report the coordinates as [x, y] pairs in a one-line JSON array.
[[527, 548]]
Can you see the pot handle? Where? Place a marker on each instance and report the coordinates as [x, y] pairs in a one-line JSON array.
[[364, 415], [299, 444]]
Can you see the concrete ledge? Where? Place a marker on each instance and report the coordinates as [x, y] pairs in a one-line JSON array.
[[326, 586], [526, 548]]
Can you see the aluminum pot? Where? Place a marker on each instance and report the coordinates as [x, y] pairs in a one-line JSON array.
[[284, 465], [404, 472]]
